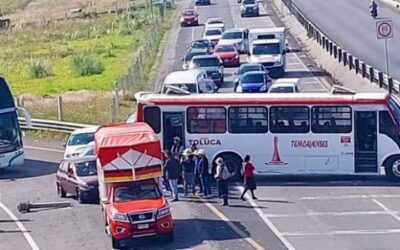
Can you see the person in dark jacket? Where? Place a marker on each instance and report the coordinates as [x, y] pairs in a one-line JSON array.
[[172, 170], [204, 172], [222, 175], [248, 174], [188, 166]]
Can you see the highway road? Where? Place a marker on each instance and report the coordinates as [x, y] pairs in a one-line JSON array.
[[348, 22], [291, 213]]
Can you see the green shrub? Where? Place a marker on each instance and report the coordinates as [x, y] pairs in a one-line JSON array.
[[38, 69], [86, 66]]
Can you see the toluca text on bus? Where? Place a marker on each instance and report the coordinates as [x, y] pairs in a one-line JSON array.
[[11, 147], [302, 133]]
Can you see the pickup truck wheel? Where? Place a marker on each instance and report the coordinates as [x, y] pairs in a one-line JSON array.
[[169, 237], [79, 196], [116, 244], [60, 191]]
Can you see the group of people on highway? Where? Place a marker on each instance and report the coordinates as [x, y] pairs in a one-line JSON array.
[[192, 168]]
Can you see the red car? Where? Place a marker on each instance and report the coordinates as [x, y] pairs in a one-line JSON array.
[[189, 17], [228, 54]]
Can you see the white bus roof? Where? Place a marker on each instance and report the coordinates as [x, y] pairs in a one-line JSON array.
[[188, 76], [262, 98]]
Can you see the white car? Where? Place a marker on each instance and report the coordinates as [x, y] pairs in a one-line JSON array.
[[78, 141], [237, 37], [215, 23], [285, 85], [213, 34]]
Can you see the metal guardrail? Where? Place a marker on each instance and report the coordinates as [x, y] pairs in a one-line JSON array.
[[339, 53], [49, 125]]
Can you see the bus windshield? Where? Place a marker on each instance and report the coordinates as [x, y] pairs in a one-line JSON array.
[[395, 109], [10, 138], [266, 49]]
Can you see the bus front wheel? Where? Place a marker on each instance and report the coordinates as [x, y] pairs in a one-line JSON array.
[[392, 168]]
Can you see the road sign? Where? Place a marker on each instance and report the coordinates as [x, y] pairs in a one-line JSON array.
[[384, 29]]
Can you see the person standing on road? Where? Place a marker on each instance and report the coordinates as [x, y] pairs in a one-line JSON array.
[[222, 175], [248, 174], [188, 166], [197, 178], [204, 173], [173, 170], [177, 148]]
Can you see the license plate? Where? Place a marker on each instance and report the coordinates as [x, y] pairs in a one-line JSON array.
[[226, 60], [143, 226], [189, 22]]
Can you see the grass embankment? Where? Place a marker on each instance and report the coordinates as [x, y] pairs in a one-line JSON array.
[[111, 40], [10, 6], [90, 106]]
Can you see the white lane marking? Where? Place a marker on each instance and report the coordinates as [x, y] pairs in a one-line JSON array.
[[267, 221], [236, 229], [342, 232], [21, 227], [344, 197], [361, 213], [391, 212], [44, 149]]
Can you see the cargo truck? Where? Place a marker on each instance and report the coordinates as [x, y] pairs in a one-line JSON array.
[[129, 170]]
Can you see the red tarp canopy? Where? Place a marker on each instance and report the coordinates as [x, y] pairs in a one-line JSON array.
[[128, 151]]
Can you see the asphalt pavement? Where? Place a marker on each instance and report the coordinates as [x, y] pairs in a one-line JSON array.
[[291, 213], [349, 23]]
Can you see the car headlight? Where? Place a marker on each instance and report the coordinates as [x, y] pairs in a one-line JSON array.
[[182, 19], [165, 211], [263, 88], [237, 56], [120, 217]]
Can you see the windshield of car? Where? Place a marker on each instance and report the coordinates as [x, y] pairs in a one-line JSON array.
[[86, 168], [249, 2], [190, 87], [253, 78], [282, 89], [190, 55], [206, 62], [225, 49], [10, 137], [213, 32], [80, 139], [248, 69], [232, 35], [189, 13], [137, 192], [266, 49]]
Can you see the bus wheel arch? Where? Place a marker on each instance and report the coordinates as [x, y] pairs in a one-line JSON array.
[[392, 167], [233, 161]]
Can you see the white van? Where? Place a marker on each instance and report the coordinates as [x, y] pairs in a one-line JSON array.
[[267, 46], [189, 81], [285, 85]]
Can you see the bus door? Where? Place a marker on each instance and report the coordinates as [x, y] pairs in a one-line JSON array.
[[173, 124], [366, 160]]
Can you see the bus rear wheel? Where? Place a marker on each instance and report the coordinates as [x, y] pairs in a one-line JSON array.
[[392, 168], [234, 164]]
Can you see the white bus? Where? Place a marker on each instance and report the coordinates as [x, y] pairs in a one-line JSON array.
[[301, 133], [11, 146]]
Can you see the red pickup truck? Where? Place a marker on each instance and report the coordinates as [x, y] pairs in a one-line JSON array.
[[129, 171]]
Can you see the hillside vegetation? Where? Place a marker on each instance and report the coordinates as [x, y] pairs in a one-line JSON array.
[[10, 6]]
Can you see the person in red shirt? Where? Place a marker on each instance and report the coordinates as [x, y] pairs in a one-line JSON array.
[[248, 174]]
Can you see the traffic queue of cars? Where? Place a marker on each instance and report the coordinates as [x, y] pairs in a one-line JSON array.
[[220, 47]]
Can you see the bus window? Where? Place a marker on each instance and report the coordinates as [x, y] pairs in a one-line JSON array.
[[206, 120], [331, 119], [289, 119], [387, 126], [394, 107], [248, 120], [152, 117]]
